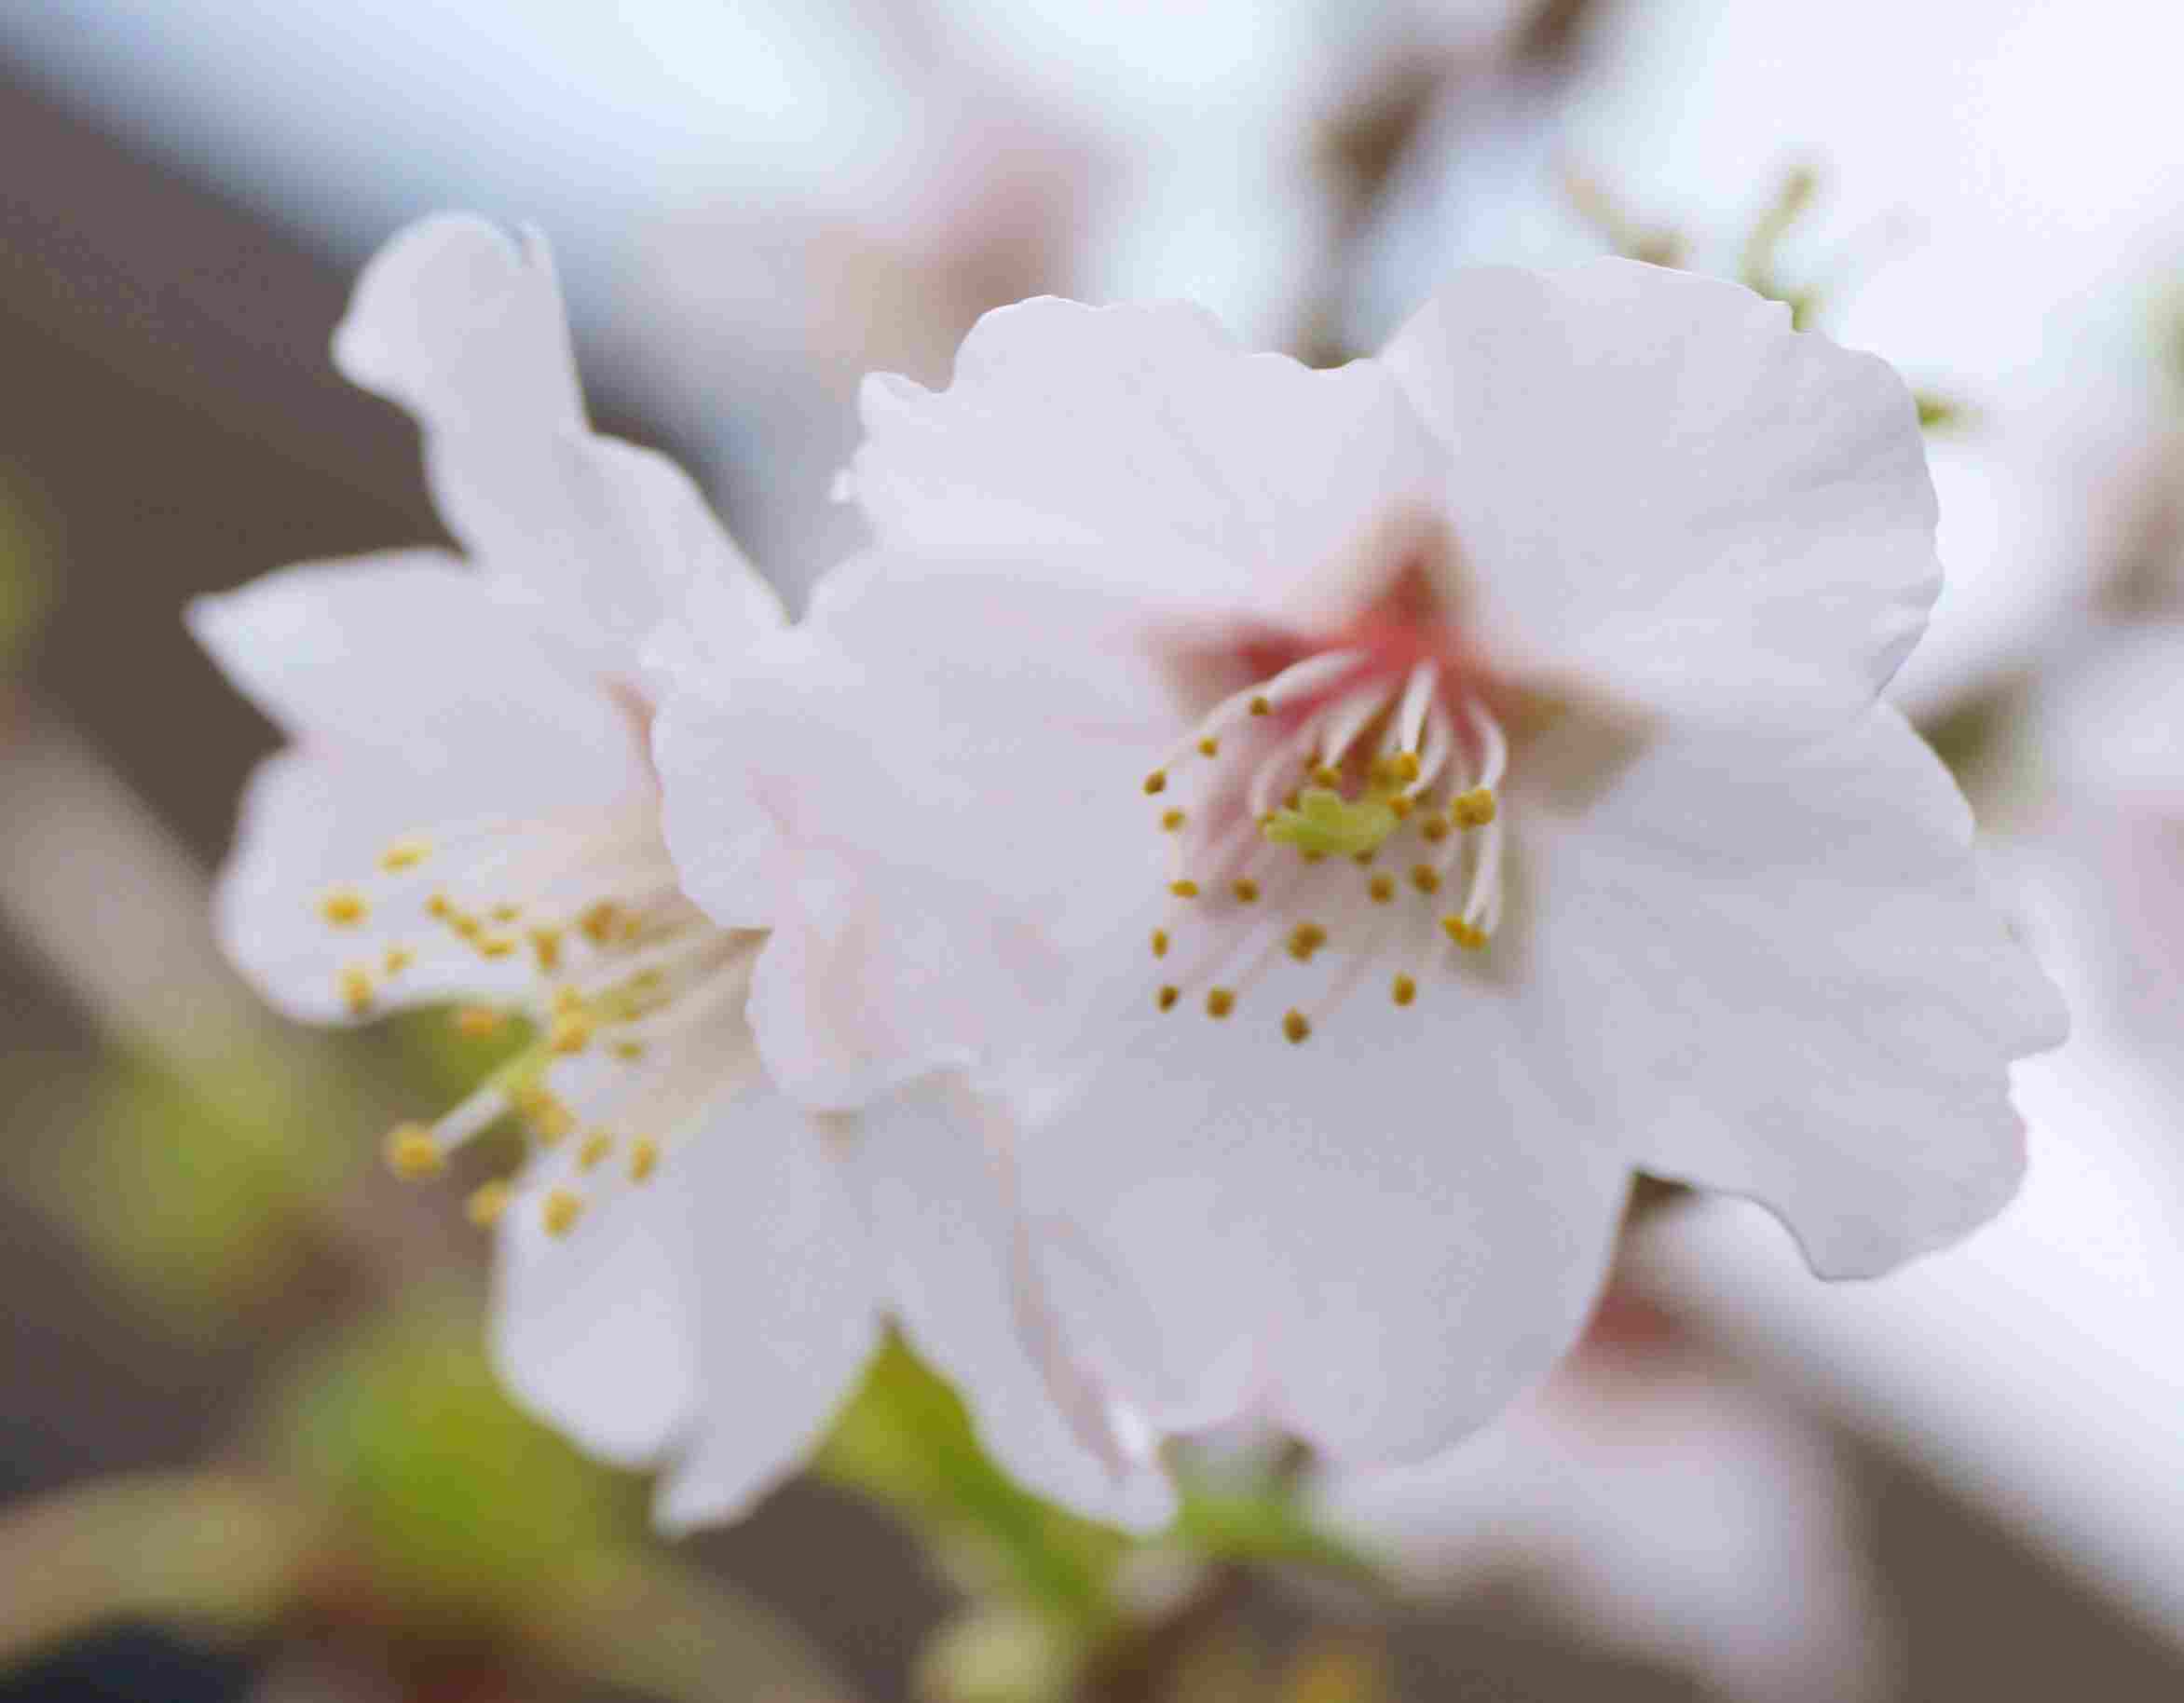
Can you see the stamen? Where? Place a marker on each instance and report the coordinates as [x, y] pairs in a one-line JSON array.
[[1219, 1001], [405, 854], [1247, 891], [644, 1158], [398, 959], [1185, 889], [1495, 761], [411, 1153], [549, 1120], [560, 1211], [1425, 877], [1171, 820], [1295, 1025], [1381, 889], [355, 986], [1169, 994], [1471, 939], [598, 1146], [343, 907], [1418, 695], [1160, 943], [1402, 991], [486, 1202]]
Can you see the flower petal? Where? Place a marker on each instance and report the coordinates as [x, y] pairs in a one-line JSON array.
[[310, 824], [408, 655], [1142, 443], [924, 868], [595, 1331], [948, 1239], [464, 327], [1377, 1246], [1661, 489], [1779, 967], [787, 1303]]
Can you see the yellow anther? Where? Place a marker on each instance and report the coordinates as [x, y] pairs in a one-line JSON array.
[[343, 907], [1246, 889], [572, 1033], [1171, 820], [1210, 747], [1402, 991], [505, 913], [1403, 767], [598, 921], [1312, 855], [560, 1211], [546, 948], [1185, 889], [1156, 781], [1381, 889], [398, 959], [1294, 1025], [1470, 937], [629, 1052], [412, 1154], [1425, 877], [476, 1022], [440, 906], [644, 1158], [1362, 858], [495, 945], [1435, 828], [549, 1119], [486, 1202], [1474, 809], [1305, 939], [405, 854], [1219, 1001], [1401, 804], [567, 1000], [598, 1146], [1168, 996], [1160, 943], [356, 987], [465, 925], [1322, 775], [1261, 706]]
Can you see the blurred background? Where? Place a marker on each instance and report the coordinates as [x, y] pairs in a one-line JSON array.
[[248, 1445]]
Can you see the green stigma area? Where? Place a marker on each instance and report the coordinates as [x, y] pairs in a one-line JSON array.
[[1323, 821]]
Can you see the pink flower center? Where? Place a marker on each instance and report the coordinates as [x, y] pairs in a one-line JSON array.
[[1343, 801]]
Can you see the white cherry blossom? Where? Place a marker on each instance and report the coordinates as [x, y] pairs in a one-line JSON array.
[[1354, 819], [691, 1272]]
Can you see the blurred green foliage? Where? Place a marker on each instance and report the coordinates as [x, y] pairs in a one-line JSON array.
[[1053, 1595], [453, 1506], [27, 554]]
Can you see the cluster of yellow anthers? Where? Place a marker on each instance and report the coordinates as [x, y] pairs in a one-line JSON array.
[[598, 970], [1366, 758]]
